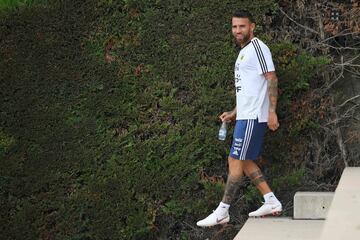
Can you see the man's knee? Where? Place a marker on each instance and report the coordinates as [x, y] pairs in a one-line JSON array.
[[235, 167], [250, 166], [249, 163]]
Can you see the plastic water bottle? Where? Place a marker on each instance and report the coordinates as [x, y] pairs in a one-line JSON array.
[[223, 131]]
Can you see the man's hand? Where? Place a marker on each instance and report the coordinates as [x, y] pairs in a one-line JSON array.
[[228, 116], [273, 122]]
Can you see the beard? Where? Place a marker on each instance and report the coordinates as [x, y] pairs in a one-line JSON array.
[[243, 40]]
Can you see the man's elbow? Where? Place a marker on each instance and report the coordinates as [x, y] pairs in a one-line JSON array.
[[271, 76]]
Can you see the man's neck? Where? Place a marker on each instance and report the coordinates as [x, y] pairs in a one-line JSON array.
[[246, 43]]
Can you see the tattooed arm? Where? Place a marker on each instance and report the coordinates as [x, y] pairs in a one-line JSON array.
[[273, 122]]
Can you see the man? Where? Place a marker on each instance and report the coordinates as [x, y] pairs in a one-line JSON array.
[[256, 98]]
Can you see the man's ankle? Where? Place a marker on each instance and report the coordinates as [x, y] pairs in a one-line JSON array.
[[223, 208], [270, 197]]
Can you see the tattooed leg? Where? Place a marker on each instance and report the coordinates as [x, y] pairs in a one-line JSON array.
[[258, 180], [253, 172], [257, 177], [232, 185]]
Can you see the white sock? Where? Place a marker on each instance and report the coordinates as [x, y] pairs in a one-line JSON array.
[[270, 197], [223, 208]]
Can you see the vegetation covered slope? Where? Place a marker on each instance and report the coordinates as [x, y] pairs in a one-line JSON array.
[[109, 118]]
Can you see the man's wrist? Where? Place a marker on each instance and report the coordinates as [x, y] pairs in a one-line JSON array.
[[272, 110]]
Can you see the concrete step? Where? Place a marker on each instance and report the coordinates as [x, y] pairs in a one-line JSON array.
[[312, 205], [280, 228], [343, 219]]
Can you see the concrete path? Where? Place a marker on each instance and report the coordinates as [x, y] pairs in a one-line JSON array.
[[280, 229], [343, 219]]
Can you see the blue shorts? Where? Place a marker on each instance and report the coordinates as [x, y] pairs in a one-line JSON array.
[[247, 139]]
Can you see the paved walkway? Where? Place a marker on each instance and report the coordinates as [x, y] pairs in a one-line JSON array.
[[279, 228], [342, 220]]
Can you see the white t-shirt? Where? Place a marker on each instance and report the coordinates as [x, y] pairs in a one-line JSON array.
[[252, 97]]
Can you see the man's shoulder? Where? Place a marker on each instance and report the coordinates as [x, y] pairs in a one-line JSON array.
[[259, 42], [259, 45]]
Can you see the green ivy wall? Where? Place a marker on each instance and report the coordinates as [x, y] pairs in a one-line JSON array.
[[109, 118]]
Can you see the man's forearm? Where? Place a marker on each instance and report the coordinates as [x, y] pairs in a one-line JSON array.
[[273, 91], [234, 111]]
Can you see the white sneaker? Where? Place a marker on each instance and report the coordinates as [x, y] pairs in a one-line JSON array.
[[267, 208], [214, 219]]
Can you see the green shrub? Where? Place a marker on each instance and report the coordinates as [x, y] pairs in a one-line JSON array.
[[6, 142], [109, 126], [12, 4]]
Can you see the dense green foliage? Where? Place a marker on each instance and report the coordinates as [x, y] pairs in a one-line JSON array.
[[108, 118], [12, 4]]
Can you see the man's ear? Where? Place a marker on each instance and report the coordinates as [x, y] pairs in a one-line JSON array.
[[252, 27]]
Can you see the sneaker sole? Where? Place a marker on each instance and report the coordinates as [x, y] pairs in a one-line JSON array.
[[274, 213], [219, 223]]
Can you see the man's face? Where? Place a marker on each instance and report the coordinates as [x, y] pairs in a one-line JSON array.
[[242, 30]]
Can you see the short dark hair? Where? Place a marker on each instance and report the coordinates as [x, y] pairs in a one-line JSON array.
[[243, 14]]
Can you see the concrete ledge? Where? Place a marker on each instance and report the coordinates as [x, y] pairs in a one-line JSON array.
[[280, 229], [312, 205], [343, 219]]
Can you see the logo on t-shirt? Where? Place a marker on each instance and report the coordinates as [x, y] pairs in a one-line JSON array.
[[237, 78], [237, 82]]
